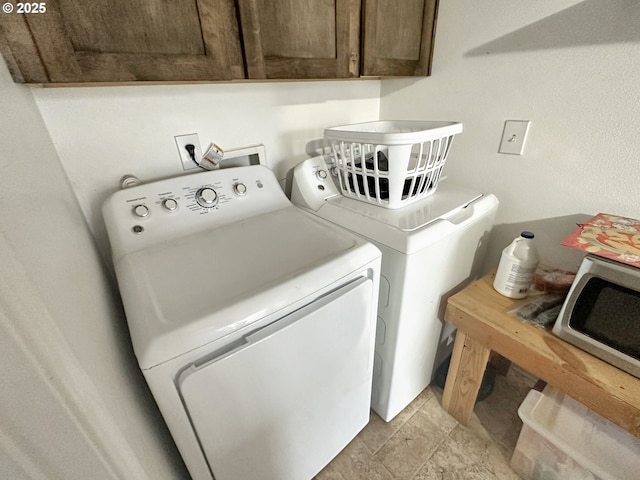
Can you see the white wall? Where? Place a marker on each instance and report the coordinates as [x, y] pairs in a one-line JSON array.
[[104, 133], [73, 402], [572, 68]]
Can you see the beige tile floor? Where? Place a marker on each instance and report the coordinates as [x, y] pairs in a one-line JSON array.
[[425, 443]]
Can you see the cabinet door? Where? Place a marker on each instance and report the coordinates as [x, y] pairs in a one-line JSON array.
[[126, 40], [398, 37], [301, 38]]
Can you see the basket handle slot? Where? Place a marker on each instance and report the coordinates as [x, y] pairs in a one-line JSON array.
[[423, 158]]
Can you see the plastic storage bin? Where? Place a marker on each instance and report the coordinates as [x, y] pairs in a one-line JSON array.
[[561, 439], [390, 163]]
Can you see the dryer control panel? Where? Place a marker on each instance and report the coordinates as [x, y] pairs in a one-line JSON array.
[[313, 183], [144, 215]]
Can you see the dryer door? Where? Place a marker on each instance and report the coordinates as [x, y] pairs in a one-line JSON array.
[[284, 403]]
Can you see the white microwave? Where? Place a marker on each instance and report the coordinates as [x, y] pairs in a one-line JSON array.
[[601, 313]]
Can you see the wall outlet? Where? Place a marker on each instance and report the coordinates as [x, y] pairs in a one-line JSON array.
[[513, 137], [182, 141]]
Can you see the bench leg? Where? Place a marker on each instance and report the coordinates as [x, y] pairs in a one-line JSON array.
[[468, 363]]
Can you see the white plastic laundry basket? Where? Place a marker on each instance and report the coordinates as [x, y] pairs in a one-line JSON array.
[[390, 163]]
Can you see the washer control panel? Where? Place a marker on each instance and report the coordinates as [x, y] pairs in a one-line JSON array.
[[140, 216]]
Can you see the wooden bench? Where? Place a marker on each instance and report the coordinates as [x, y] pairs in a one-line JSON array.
[[484, 325]]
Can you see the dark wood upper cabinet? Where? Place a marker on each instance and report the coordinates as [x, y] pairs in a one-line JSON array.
[[398, 37], [126, 41], [301, 38]]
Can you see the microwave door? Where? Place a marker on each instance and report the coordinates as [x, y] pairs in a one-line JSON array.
[[601, 314]]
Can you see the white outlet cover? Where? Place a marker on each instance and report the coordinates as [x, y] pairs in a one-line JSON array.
[[181, 142], [514, 136]]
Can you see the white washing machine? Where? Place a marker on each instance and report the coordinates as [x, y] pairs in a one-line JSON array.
[[430, 250], [252, 321]]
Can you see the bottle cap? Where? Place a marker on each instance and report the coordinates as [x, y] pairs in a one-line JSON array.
[[527, 234]]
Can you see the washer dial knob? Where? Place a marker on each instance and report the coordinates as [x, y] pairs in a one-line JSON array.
[[321, 174], [141, 211], [240, 189], [207, 197], [170, 204]]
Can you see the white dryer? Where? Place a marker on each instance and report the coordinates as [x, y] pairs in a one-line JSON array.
[[430, 250], [252, 321]]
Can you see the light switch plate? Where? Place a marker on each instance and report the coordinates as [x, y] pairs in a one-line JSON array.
[[513, 137]]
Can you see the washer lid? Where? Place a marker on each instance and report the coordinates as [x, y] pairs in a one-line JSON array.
[[428, 220], [193, 290]]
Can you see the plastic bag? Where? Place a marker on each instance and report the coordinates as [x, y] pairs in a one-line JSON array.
[[542, 310]]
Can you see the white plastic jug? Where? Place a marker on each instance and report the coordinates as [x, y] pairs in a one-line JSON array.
[[517, 265]]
